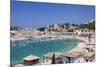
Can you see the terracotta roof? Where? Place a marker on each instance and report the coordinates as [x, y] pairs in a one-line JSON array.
[[31, 57]]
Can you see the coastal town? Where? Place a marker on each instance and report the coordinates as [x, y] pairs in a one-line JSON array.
[[83, 52]]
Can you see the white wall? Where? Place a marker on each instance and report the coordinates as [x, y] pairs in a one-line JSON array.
[[81, 59]]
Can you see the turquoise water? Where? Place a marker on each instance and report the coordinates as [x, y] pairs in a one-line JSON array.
[[21, 49]]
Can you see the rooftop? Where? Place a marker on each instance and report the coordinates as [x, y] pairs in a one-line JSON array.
[[89, 54], [71, 54], [31, 57]]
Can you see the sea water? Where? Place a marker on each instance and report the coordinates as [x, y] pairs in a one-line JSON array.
[[21, 49]]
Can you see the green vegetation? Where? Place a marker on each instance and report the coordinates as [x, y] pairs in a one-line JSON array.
[[82, 26], [70, 27], [42, 28], [15, 28], [67, 25], [90, 25]]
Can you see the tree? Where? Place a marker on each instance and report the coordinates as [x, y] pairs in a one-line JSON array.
[[53, 59], [67, 25], [83, 26], [42, 28], [90, 25], [15, 28], [75, 25]]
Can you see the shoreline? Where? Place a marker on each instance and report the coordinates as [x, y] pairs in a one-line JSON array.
[[79, 46], [68, 37], [61, 51], [54, 37]]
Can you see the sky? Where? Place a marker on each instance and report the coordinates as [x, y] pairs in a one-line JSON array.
[[37, 14]]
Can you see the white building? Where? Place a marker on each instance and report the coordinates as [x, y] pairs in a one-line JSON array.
[[81, 31], [56, 26]]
